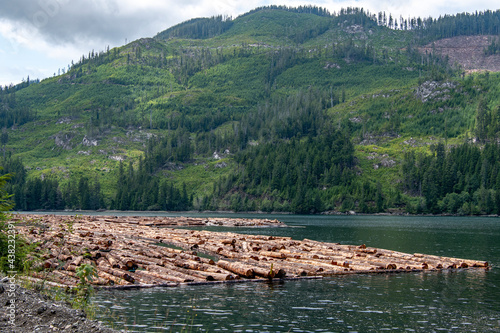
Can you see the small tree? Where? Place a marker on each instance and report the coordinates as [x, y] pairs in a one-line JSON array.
[[4, 138], [84, 291], [11, 257], [482, 120], [379, 198]]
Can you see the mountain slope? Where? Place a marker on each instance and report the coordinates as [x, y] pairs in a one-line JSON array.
[[236, 114], [473, 53]]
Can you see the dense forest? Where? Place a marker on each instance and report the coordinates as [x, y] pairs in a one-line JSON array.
[[462, 24], [464, 180], [134, 190], [198, 28], [289, 109]]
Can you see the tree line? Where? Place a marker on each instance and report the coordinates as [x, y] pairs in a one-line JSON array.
[[462, 180], [11, 113], [47, 193], [198, 28], [300, 176], [133, 190], [138, 189]]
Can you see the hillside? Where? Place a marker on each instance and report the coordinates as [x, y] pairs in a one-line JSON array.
[[280, 109], [471, 52]]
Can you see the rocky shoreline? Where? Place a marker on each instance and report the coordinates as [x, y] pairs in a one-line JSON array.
[[25, 310]]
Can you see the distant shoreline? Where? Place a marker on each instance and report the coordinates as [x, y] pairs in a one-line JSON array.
[[153, 212]]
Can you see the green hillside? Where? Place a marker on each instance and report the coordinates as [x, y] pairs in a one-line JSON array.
[[280, 109]]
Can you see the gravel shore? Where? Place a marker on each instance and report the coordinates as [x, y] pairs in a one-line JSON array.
[[35, 312]]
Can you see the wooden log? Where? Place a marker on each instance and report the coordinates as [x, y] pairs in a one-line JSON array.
[[137, 243], [300, 269], [277, 268], [291, 269], [77, 261], [231, 241], [316, 255], [144, 261], [237, 268], [95, 255], [216, 269], [212, 249], [265, 273], [50, 264], [316, 266], [115, 263], [159, 252], [188, 264], [170, 274], [207, 261], [190, 272], [462, 263], [279, 255], [116, 272], [144, 279], [165, 276], [212, 276], [112, 279], [64, 278], [82, 244], [54, 278], [158, 278], [126, 260], [229, 254], [64, 257], [96, 281], [40, 281]]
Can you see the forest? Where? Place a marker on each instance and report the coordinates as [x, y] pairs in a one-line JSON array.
[[311, 112], [464, 180]]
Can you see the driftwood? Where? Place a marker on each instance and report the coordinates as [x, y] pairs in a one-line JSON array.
[[133, 251]]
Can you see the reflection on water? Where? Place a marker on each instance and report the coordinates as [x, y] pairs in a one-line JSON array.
[[459, 301], [425, 302]]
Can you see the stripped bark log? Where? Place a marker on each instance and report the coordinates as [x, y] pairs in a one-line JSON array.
[[237, 268], [130, 243], [172, 275], [158, 278], [116, 272]]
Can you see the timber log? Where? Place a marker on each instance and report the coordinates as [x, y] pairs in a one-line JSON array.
[[143, 252]]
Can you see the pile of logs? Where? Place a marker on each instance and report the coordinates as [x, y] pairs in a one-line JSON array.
[[182, 221], [126, 252]]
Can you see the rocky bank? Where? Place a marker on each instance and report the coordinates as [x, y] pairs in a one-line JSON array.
[[35, 312]]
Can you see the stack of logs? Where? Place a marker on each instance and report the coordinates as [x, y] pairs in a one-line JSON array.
[[181, 221], [134, 254]]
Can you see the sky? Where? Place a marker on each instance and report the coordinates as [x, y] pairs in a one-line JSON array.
[[40, 37]]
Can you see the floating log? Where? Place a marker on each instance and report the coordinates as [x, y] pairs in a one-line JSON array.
[[237, 268], [170, 274], [132, 251], [116, 272], [279, 255], [41, 281], [157, 278], [115, 263]]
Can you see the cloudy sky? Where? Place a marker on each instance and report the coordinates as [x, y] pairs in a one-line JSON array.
[[37, 37]]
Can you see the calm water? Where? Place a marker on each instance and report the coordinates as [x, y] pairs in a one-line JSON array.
[[460, 301]]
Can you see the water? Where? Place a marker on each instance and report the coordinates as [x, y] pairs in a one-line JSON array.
[[457, 301]]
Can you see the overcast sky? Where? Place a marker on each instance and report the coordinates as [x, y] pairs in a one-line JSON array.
[[37, 37]]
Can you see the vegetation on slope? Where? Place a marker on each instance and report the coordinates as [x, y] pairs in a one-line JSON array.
[[280, 109]]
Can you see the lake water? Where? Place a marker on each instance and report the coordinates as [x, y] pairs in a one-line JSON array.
[[451, 301]]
